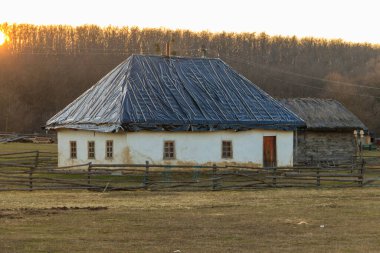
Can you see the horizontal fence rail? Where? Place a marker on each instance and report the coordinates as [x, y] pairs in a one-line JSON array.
[[38, 170]]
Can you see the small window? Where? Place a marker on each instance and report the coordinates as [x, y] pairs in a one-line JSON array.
[[227, 149], [91, 150], [169, 150], [109, 149], [73, 149]]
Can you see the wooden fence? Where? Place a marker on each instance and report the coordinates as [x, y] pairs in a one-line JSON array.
[[38, 170]]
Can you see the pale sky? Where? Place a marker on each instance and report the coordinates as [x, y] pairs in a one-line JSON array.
[[357, 21]]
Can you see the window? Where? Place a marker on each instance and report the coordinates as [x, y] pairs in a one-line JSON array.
[[227, 149], [109, 149], [73, 149], [91, 149], [169, 150]]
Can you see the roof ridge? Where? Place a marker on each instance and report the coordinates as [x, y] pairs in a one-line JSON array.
[[176, 57]]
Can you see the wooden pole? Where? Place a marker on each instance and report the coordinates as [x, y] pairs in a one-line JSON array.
[[89, 174], [274, 179], [37, 158], [214, 179], [31, 171], [361, 172], [146, 175], [31, 179], [318, 178], [295, 146]]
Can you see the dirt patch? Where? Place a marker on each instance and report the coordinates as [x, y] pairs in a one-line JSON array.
[[90, 208], [9, 215], [23, 212]]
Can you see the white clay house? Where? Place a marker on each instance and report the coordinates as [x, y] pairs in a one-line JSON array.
[[175, 110]]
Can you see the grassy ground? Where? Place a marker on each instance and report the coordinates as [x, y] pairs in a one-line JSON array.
[[21, 147], [273, 220], [277, 220], [371, 153]]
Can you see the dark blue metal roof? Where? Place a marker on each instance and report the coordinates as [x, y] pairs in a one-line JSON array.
[[174, 93]]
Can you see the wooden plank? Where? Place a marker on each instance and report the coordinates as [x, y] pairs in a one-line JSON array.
[[269, 151]]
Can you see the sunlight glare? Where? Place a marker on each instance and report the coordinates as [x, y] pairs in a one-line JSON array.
[[3, 38]]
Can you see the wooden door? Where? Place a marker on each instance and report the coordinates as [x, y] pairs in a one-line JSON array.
[[269, 149]]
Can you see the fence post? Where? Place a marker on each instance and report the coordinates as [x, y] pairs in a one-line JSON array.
[[214, 179], [361, 173], [89, 174], [318, 177], [31, 169], [31, 179], [146, 175], [37, 157], [274, 179]]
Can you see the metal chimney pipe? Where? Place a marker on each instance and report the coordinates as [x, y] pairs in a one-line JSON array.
[[203, 51], [168, 49]]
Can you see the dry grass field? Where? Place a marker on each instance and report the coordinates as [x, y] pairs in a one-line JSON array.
[[21, 147], [371, 153], [273, 220]]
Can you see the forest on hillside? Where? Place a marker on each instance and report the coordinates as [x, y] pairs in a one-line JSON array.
[[44, 68]]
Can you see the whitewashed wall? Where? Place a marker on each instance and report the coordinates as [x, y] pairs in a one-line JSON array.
[[191, 147]]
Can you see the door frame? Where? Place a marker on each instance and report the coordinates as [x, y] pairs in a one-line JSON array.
[[273, 163]]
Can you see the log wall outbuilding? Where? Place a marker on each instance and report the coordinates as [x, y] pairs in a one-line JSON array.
[[324, 146]]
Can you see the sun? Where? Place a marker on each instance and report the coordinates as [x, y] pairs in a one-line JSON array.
[[3, 38]]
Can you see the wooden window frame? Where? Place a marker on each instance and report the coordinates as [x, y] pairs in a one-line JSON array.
[[169, 152], [89, 152], [109, 149], [73, 150], [227, 154]]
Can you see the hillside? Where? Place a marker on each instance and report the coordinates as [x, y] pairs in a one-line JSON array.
[[43, 68]]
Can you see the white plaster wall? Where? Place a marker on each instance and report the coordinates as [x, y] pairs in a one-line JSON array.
[[82, 137], [191, 147]]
